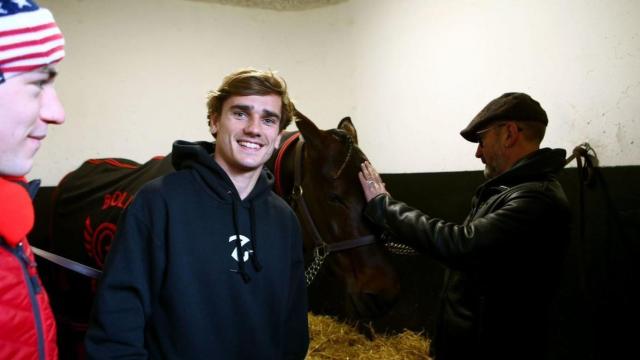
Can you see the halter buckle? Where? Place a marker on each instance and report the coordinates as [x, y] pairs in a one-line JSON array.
[[296, 192], [321, 251]]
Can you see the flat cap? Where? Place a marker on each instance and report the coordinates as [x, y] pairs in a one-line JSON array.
[[509, 106]]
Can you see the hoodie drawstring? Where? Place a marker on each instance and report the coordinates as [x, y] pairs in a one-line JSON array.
[[245, 277], [254, 239], [254, 246]]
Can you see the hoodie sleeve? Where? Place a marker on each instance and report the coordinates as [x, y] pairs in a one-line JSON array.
[[297, 322], [124, 298]]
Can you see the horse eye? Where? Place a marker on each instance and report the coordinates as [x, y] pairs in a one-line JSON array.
[[340, 136]]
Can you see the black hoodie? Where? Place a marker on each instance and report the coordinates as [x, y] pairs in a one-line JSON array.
[[172, 286]]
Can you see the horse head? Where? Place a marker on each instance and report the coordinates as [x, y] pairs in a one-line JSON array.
[[329, 202]]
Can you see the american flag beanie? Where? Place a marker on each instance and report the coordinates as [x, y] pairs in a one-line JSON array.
[[29, 38]]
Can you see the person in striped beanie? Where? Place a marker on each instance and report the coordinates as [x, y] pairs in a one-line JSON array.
[[31, 45]]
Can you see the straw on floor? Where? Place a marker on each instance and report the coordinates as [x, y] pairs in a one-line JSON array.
[[332, 339]]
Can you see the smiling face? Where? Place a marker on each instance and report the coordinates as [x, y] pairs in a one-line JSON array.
[[28, 104], [247, 131]]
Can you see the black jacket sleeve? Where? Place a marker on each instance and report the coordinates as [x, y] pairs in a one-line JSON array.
[[123, 301], [512, 221], [297, 326]]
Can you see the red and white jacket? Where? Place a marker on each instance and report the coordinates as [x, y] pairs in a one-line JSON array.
[[27, 324]]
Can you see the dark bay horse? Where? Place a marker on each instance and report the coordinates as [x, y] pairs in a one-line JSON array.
[[319, 179], [316, 172]]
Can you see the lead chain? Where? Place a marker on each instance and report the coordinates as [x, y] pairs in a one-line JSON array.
[[400, 249], [312, 270]]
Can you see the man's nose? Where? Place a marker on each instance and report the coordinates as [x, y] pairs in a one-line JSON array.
[[51, 109], [479, 151], [253, 125]]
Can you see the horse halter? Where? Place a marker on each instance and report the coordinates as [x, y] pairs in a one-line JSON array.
[[322, 249]]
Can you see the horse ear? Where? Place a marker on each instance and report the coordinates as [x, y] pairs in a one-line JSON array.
[[307, 128], [346, 125]]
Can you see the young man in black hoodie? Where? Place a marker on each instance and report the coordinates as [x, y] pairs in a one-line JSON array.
[[207, 262], [503, 262]]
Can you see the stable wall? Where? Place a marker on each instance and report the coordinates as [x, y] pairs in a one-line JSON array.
[[137, 73], [425, 68], [411, 73]]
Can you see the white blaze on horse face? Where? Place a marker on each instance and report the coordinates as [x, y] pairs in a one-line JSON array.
[[247, 132]]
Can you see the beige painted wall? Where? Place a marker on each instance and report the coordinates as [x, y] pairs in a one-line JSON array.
[[137, 73], [437, 63], [411, 73]]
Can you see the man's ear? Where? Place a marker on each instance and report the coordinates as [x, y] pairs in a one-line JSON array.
[[278, 140], [213, 124], [513, 134]]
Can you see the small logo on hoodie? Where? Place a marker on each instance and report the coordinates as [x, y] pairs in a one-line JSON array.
[[243, 241]]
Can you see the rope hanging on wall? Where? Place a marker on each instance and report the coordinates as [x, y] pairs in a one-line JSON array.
[[587, 160]]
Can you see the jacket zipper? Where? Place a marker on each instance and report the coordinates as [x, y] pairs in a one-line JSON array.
[[34, 288]]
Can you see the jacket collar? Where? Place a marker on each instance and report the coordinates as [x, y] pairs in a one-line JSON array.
[[199, 156], [542, 164]]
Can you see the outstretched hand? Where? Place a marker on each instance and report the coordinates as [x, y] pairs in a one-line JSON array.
[[371, 182]]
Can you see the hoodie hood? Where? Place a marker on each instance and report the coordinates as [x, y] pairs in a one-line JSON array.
[[198, 156]]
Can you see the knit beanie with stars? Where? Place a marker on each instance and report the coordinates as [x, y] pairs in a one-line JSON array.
[[29, 38]]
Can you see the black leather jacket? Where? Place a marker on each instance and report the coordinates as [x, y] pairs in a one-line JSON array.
[[503, 262]]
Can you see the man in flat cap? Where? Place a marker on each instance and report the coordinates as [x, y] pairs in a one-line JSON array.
[[504, 261]]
